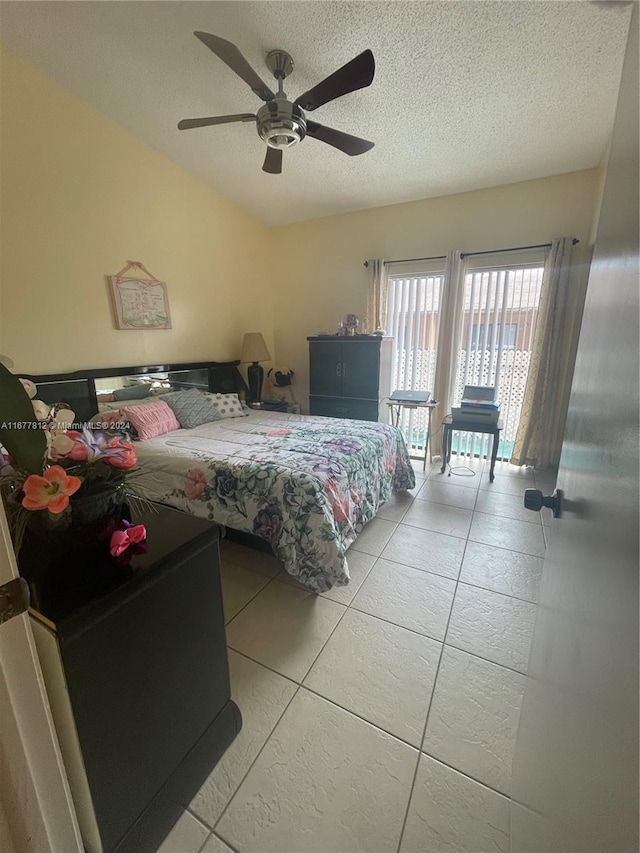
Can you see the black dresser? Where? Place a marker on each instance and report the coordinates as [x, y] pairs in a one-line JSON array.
[[135, 664], [349, 376]]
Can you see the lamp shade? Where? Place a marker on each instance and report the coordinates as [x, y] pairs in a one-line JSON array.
[[254, 348]]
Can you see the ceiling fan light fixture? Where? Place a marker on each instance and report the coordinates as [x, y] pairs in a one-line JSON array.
[[281, 124], [281, 137]]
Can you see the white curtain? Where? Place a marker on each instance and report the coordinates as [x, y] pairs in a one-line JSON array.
[[449, 331], [377, 295], [544, 409]]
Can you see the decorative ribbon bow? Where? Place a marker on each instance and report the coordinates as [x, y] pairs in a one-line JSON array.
[[128, 540]]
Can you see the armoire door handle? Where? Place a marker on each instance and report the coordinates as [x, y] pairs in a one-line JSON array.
[[338, 369], [344, 368]]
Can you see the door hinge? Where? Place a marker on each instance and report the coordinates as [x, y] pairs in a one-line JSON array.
[[14, 599]]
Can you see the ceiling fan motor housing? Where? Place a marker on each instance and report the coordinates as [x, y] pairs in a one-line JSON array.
[[281, 123]]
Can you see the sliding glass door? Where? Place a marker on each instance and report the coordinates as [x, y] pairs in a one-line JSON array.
[[498, 324], [412, 319]]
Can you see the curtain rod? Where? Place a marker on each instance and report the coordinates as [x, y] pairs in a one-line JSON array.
[[469, 254], [513, 249], [409, 260]]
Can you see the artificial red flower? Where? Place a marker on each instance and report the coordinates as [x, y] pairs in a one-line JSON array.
[[79, 452], [50, 491], [120, 454]]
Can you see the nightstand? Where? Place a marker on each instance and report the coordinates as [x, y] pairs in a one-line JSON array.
[[269, 406], [137, 677]]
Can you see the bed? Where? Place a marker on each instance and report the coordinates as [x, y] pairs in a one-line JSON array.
[[305, 485]]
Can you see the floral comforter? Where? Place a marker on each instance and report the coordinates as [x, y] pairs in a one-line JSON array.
[[306, 485]]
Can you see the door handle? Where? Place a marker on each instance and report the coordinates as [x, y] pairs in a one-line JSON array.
[[344, 368], [338, 369], [14, 599], [535, 500]]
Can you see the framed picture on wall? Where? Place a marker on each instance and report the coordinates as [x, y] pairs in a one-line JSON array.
[[139, 302]]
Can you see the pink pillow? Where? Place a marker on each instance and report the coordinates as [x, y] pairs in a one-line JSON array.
[[151, 420]]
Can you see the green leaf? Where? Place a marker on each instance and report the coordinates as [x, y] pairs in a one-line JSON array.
[[26, 444]]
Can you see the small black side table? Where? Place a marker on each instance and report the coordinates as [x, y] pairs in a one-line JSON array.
[[448, 425], [135, 663]]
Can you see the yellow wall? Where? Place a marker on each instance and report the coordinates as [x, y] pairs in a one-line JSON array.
[[79, 196], [324, 277]]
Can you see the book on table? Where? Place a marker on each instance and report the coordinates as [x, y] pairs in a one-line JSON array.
[[401, 396]]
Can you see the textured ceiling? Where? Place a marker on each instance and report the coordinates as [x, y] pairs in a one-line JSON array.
[[466, 94]]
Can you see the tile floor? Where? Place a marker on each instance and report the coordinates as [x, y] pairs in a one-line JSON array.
[[381, 716]]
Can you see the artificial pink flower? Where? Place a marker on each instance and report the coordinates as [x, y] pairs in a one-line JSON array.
[[194, 484], [79, 452], [51, 491], [122, 540], [121, 454], [279, 431]]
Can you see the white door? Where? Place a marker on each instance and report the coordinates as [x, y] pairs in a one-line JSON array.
[[36, 812], [576, 762]]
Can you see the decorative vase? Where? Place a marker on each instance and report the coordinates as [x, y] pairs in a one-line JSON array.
[[92, 517]]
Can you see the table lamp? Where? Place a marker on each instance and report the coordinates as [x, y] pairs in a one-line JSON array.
[[254, 350]]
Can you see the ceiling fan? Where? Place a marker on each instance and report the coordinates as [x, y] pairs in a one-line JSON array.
[[282, 123]]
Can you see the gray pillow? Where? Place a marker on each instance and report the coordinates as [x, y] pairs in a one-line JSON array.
[[133, 392], [192, 408]]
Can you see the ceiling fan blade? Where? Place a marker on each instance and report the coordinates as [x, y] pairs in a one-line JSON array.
[[351, 145], [188, 123], [356, 74], [231, 56], [273, 161]]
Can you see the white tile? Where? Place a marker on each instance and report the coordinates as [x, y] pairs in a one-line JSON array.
[[507, 533], [374, 537], [239, 586], [474, 718], [508, 506], [503, 571], [420, 471], [215, 845], [407, 597], [426, 550], [251, 558], [448, 494], [262, 696], [509, 484], [449, 520], [505, 469], [451, 813], [326, 781], [380, 672], [492, 626], [360, 565], [284, 628], [546, 516], [187, 836], [465, 474], [396, 506]]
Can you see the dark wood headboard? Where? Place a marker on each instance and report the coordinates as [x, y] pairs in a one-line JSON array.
[[78, 388]]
